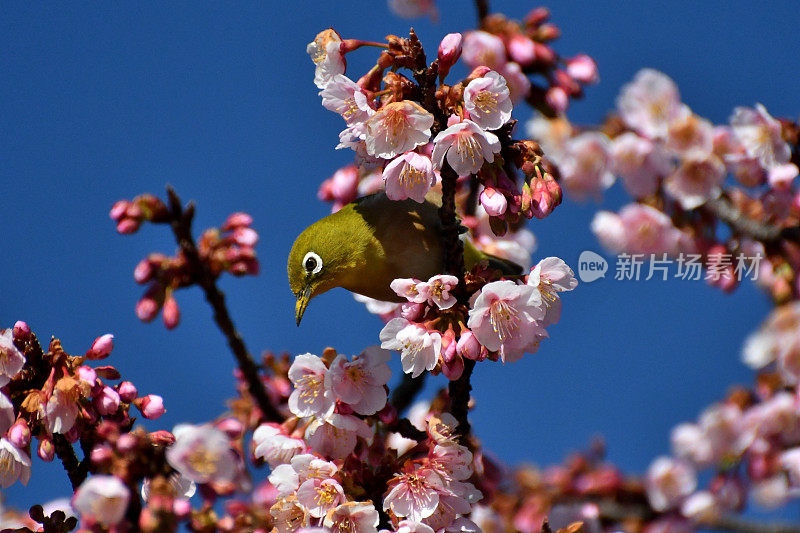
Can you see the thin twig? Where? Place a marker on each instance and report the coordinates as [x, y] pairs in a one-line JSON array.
[[482, 7], [181, 222], [724, 210], [66, 454], [458, 391]]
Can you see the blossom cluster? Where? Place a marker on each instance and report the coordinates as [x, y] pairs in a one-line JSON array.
[[230, 248], [675, 163]]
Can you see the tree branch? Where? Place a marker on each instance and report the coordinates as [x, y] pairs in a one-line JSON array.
[[404, 394], [737, 524], [724, 210], [66, 453], [482, 7], [458, 391], [181, 223]]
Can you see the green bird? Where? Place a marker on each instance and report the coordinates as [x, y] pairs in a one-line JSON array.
[[369, 243]]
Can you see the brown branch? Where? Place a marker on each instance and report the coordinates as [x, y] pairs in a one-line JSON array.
[[76, 471], [404, 394], [458, 391], [181, 223], [725, 211], [404, 427], [482, 7]]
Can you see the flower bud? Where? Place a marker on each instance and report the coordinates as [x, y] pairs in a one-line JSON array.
[[388, 414], [107, 402], [127, 391], [548, 32], [237, 220], [101, 347], [101, 454], [21, 330], [537, 16], [127, 443], [449, 353], [182, 508], [245, 237], [468, 346], [583, 69], [449, 52], [19, 434], [144, 271], [151, 406], [411, 311], [566, 82], [521, 50], [147, 308], [46, 451], [453, 369], [87, 374], [162, 438], [557, 99], [232, 427], [171, 313], [126, 226], [544, 54], [493, 202], [118, 210]]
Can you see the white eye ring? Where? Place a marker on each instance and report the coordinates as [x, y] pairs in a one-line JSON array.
[[314, 259]]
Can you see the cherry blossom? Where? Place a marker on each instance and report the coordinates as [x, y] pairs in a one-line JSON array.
[[691, 136], [551, 276], [353, 517], [668, 482], [409, 289], [414, 495], [483, 49], [310, 396], [343, 96], [7, 415], [438, 290], [466, 146], [638, 229], [320, 496], [15, 465], [325, 51], [274, 446], [586, 165], [696, 181], [650, 103], [505, 318], [760, 135], [397, 128], [488, 102], [360, 382], [639, 162], [419, 348], [11, 359], [336, 435], [102, 498], [202, 454], [409, 175]]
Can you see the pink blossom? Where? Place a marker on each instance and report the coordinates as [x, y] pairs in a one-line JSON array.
[[336, 435], [466, 146], [310, 397], [639, 162], [11, 359], [413, 8], [701, 507], [181, 487], [689, 441], [151, 406], [552, 135], [353, 517], [468, 346], [102, 498], [781, 176], [505, 318], [637, 229], [691, 136], [419, 348], [583, 69], [62, 410], [127, 391], [452, 461], [438, 290], [397, 128], [493, 201], [518, 83], [586, 165], [320, 496], [274, 446], [668, 482], [202, 454], [409, 289], [414, 495], [488, 101], [772, 492], [521, 49], [650, 103], [345, 97], [790, 461], [360, 382], [448, 53], [409, 526], [483, 49], [107, 402], [760, 136], [325, 51], [696, 181], [7, 415], [551, 276], [409, 176], [101, 347], [15, 465]]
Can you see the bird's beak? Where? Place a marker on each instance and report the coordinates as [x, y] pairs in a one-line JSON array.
[[302, 302]]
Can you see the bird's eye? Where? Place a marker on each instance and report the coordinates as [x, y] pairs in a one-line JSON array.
[[312, 263]]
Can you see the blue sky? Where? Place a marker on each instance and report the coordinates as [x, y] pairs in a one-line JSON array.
[[102, 101]]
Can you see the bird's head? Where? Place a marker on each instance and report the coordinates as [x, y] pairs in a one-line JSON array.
[[315, 264]]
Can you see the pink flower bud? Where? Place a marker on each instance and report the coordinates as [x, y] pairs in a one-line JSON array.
[[245, 237], [468, 346], [453, 369], [544, 54], [548, 32], [162, 437], [46, 451], [126, 226], [237, 220], [127, 391], [118, 210], [232, 427], [151, 406], [144, 271], [521, 50], [449, 52], [101, 347], [557, 99], [127, 443], [182, 508], [21, 330], [449, 353], [493, 202], [73, 434], [87, 374], [101, 454], [566, 82], [537, 16], [19, 434], [107, 402], [388, 414], [411, 311], [583, 69], [171, 313]]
